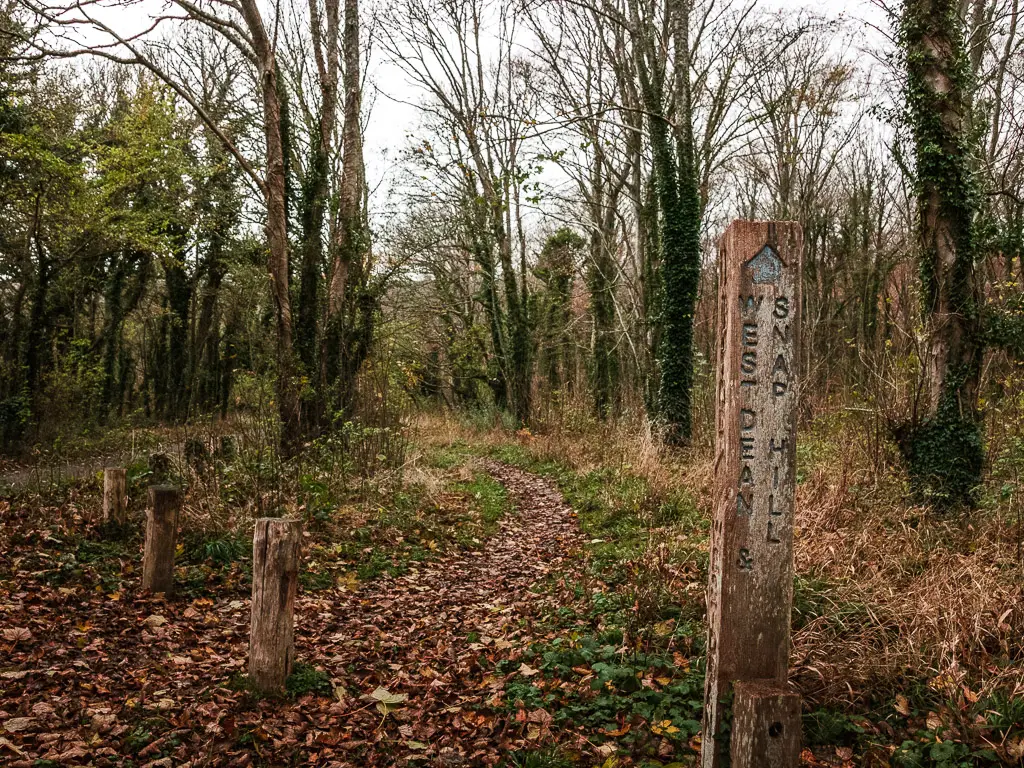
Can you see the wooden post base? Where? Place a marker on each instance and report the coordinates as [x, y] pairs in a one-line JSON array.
[[765, 725]]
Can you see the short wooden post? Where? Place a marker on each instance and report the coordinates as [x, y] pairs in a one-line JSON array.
[[159, 467], [750, 587], [161, 535], [275, 571], [115, 496], [196, 454], [765, 725]]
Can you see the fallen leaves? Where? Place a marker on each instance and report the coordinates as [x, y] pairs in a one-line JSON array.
[[387, 702], [98, 673], [527, 671], [902, 705], [17, 724], [7, 744], [16, 635]]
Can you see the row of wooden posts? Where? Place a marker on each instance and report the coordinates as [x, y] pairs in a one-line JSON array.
[[275, 570]]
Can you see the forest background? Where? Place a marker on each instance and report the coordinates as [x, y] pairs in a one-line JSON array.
[[320, 226]]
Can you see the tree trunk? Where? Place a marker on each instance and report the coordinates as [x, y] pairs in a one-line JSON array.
[[275, 193], [179, 301], [679, 203], [943, 447], [316, 195], [351, 305], [601, 283]]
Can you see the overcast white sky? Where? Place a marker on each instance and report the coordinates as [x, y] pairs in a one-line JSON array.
[[393, 116]]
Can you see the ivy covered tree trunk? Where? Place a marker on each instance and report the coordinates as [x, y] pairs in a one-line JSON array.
[[601, 282], [352, 302], [943, 446], [179, 302], [555, 270], [112, 332], [679, 206], [481, 246], [38, 336], [312, 209], [275, 195], [315, 199]]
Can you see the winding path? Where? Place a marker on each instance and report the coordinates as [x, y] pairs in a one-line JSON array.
[[436, 634]]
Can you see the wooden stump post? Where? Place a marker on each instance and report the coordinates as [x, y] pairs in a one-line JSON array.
[[115, 496], [765, 725], [275, 571], [196, 454], [750, 589], [161, 536], [159, 467]]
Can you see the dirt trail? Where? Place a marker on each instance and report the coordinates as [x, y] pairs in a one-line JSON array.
[[87, 677], [428, 632]]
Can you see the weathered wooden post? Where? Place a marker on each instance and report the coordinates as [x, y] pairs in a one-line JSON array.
[[115, 496], [275, 571], [750, 590], [196, 454], [161, 536], [227, 450]]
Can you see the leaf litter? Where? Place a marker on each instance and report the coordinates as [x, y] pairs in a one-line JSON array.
[[98, 676]]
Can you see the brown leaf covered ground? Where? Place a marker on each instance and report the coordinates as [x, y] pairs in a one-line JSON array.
[[546, 636], [89, 674]]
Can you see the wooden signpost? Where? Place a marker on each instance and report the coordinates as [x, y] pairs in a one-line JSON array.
[[750, 591]]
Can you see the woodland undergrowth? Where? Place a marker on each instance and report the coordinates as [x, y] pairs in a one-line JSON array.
[[907, 624]]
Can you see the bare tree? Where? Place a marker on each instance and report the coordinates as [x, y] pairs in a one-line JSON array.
[[462, 56]]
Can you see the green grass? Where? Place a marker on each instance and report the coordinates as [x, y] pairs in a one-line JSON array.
[[408, 527], [489, 501], [814, 598], [449, 456], [307, 679], [830, 727], [217, 549], [635, 698], [86, 562], [304, 679], [539, 758]]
